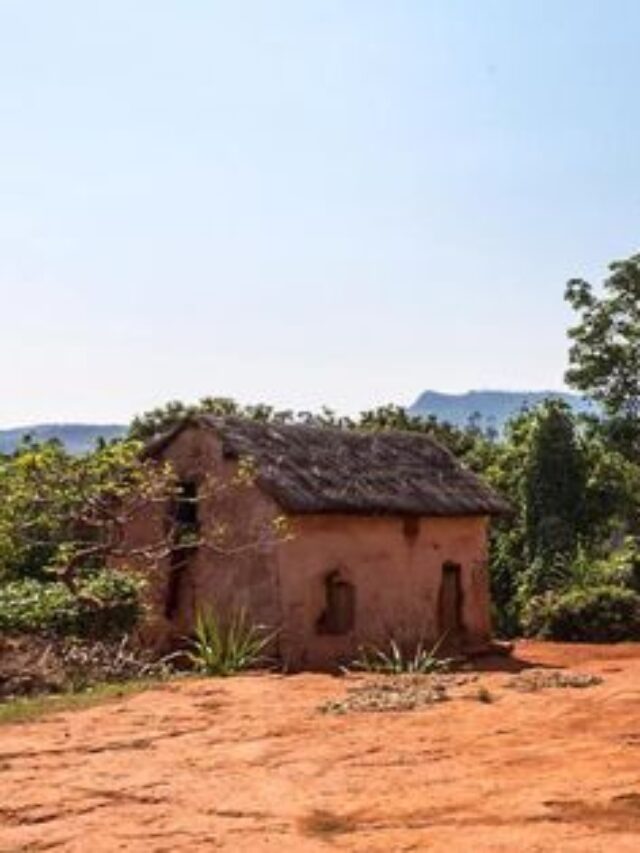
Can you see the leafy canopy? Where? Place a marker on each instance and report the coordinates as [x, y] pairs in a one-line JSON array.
[[60, 513], [604, 357]]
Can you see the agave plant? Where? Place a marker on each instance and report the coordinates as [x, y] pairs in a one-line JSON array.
[[223, 647], [394, 661]]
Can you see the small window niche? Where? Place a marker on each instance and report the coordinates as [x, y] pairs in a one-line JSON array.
[[339, 615], [186, 505], [183, 525], [183, 517]]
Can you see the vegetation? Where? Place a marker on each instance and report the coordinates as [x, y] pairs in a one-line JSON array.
[[605, 354], [397, 661], [29, 708], [107, 605], [598, 614], [61, 515], [71, 576], [227, 645]]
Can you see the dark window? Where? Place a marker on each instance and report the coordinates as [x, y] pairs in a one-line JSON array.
[[339, 614], [186, 505], [183, 518]]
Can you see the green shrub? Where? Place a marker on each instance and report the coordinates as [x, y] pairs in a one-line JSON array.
[[619, 568], [622, 567], [223, 647], [119, 606], [107, 605], [601, 614]]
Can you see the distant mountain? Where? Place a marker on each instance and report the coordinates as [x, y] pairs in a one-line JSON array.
[[494, 408], [77, 438]]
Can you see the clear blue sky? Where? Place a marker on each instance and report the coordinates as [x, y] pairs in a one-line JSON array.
[[304, 202]]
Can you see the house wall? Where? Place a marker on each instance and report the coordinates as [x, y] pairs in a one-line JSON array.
[[240, 571], [394, 564]]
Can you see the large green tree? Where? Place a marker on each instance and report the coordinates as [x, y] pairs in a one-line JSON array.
[[554, 484], [604, 358]]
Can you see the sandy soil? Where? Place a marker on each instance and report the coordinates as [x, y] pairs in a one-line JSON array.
[[250, 764]]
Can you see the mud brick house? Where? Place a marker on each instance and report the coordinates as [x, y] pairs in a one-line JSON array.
[[388, 537]]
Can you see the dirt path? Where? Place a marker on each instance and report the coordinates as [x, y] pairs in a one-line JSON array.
[[250, 764]]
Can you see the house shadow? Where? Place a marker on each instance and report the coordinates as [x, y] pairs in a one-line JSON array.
[[504, 660]]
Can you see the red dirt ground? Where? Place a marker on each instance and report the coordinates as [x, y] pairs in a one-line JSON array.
[[250, 764]]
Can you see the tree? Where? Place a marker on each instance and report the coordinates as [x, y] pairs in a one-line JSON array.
[[61, 514], [554, 484], [164, 418], [604, 357], [612, 491]]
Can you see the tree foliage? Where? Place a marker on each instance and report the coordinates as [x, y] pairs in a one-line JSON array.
[[60, 514], [554, 484], [604, 356]]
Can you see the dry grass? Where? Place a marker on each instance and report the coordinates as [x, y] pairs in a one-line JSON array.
[[28, 709], [399, 693], [533, 680]]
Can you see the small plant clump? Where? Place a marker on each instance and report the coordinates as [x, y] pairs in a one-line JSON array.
[[397, 661], [224, 647]]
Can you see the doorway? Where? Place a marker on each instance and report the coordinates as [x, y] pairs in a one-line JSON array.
[[450, 605]]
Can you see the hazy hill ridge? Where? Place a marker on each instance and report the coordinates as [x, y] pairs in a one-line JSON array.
[[77, 438], [494, 407]]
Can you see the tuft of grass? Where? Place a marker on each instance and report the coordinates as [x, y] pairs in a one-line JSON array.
[[221, 647], [30, 708], [395, 661]]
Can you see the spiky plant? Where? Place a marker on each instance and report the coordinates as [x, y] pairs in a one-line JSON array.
[[226, 646], [393, 660]]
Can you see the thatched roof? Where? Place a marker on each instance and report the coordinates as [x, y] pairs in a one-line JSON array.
[[310, 469]]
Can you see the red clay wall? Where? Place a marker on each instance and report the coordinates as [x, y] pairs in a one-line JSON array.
[[396, 569]]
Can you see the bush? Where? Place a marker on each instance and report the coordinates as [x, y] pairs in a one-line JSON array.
[[619, 568], [108, 605], [602, 614], [32, 664], [396, 660], [223, 647], [86, 663], [622, 567]]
